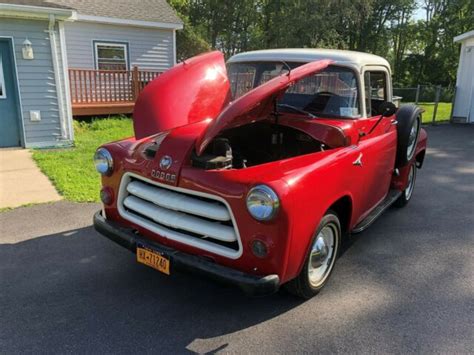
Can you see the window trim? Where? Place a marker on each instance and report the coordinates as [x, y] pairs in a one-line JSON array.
[[3, 95], [124, 45]]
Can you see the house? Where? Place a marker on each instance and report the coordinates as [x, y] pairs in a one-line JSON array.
[[60, 58], [463, 110]]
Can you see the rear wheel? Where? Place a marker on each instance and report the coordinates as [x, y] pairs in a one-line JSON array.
[[408, 192], [320, 258]]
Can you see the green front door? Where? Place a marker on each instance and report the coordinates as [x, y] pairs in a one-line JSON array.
[[9, 115]]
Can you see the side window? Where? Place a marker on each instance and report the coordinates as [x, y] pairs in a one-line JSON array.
[[3, 94], [375, 91]]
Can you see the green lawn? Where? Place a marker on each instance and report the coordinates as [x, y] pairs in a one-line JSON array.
[[443, 113], [72, 170]]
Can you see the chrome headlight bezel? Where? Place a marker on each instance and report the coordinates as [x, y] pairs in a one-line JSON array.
[[262, 203], [103, 161]]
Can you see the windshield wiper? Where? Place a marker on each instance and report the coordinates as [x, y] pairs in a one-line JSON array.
[[297, 109]]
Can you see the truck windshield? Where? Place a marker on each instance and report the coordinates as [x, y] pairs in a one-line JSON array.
[[332, 92]]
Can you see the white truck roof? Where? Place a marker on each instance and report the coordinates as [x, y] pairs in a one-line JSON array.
[[304, 55]]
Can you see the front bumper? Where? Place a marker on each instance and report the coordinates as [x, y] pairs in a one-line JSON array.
[[250, 284]]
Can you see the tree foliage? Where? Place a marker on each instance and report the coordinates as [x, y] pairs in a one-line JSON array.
[[420, 51], [189, 41]]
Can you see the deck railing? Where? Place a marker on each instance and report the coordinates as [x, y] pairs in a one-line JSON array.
[[107, 86]]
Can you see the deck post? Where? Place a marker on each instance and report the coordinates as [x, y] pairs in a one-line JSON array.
[[135, 83]]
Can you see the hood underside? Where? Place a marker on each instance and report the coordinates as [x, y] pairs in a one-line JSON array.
[[192, 91], [199, 89]]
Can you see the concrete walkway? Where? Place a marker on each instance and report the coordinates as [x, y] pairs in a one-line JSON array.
[[21, 181]]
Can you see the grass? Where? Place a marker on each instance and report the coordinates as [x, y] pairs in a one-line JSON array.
[[72, 170], [443, 113]]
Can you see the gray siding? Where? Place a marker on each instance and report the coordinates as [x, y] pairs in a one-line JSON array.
[[36, 81], [148, 48]]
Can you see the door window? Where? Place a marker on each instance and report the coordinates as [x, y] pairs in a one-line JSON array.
[[3, 93], [375, 91]]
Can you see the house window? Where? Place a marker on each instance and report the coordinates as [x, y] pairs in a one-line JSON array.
[[111, 56], [3, 94]]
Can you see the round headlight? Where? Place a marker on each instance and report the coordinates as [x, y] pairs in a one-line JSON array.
[[103, 161], [262, 203]]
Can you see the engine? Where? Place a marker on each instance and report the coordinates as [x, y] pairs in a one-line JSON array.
[[255, 144]]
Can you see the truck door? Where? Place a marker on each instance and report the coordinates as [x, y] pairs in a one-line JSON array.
[[378, 142]]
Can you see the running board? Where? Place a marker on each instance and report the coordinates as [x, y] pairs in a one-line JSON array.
[[392, 196]]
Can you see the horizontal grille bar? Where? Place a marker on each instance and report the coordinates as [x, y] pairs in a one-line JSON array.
[[178, 201], [194, 218], [205, 244], [181, 221]]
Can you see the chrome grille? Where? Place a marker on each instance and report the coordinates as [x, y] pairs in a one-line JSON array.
[[197, 219]]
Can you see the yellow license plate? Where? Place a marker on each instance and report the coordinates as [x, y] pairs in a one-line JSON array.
[[154, 260]]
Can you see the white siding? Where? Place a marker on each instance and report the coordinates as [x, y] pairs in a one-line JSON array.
[[36, 81], [465, 84], [148, 48]]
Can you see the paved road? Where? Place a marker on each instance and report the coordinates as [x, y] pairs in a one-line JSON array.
[[405, 285]]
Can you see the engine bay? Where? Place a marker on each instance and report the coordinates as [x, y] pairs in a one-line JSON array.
[[255, 144]]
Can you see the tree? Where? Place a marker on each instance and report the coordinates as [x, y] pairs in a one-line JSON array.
[[189, 42]]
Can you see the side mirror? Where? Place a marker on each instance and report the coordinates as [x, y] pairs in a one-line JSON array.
[[387, 109]]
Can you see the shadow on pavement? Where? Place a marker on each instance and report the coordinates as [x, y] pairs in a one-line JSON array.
[[75, 288]]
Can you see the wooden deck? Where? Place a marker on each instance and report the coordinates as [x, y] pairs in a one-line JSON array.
[[106, 92]]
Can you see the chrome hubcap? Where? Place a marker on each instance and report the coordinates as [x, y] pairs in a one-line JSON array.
[[319, 253], [411, 182], [412, 139], [321, 259]]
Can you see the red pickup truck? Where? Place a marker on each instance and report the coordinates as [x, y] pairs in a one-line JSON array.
[[254, 171]]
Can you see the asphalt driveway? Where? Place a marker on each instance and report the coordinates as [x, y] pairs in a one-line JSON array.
[[404, 285]]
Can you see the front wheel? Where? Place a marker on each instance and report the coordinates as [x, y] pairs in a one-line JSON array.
[[408, 192], [320, 259]]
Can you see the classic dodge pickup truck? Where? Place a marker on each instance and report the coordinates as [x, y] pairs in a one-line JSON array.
[[254, 171]]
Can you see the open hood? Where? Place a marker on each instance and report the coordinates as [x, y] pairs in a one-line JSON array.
[[191, 91], [257, 104]]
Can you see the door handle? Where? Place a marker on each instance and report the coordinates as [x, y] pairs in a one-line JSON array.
[[358, 161]]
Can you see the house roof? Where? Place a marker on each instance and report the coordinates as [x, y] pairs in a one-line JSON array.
[[464, 36], [137, 10]]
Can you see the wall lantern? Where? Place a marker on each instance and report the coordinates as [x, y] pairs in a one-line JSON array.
[[27, 50]]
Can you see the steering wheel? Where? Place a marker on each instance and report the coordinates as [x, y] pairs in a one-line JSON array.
[[326, 102], [326, 93]]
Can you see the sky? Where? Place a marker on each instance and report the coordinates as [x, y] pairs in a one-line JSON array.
[[419, 13]]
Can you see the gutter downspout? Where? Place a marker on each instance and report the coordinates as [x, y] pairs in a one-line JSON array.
[[56, 67], [174, 48], [67, 84]]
